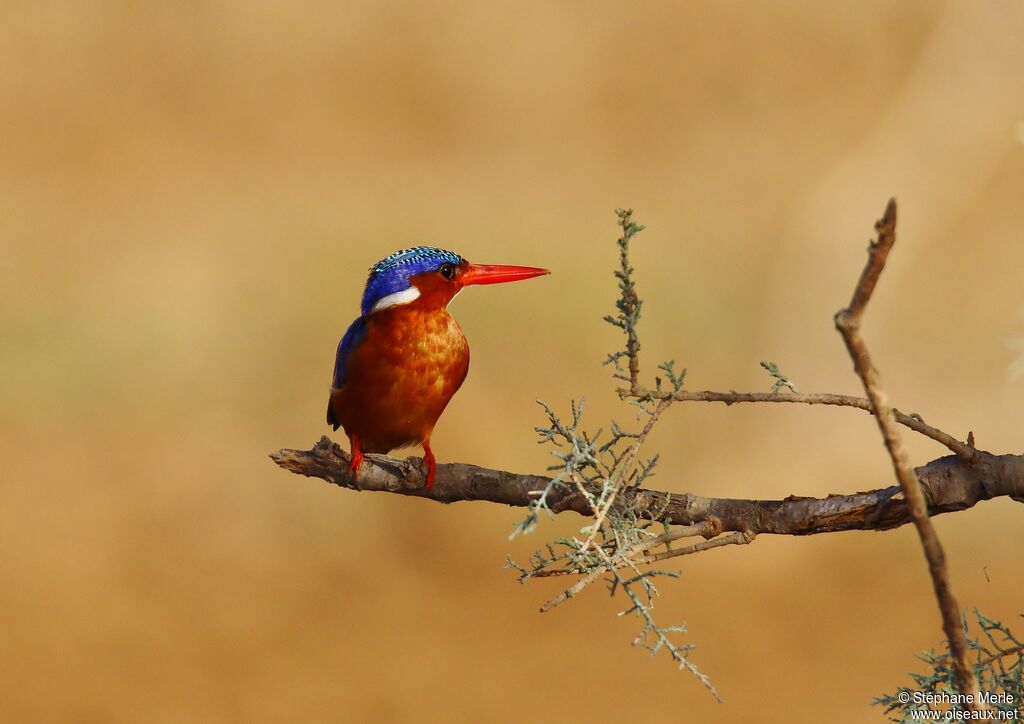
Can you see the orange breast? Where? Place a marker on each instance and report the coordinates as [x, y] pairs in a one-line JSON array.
[[401, 377]]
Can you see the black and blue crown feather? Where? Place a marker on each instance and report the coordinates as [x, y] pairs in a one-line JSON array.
[[415, 255]]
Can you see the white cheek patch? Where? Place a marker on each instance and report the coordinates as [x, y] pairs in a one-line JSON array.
[[403, 297]]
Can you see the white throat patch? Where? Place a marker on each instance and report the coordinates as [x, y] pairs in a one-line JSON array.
[[403, 297]]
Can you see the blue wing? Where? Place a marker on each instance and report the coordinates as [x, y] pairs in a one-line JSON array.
[[355, 334]]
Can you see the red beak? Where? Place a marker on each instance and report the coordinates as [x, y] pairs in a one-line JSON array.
[[498, 273]]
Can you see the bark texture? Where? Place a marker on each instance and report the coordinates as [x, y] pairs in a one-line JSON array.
[[949, 484]]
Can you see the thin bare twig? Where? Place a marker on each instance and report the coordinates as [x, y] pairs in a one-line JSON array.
[[735, 538], [848, 322], [914, 422]]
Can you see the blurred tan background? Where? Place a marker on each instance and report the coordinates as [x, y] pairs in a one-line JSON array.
[[190, 196]]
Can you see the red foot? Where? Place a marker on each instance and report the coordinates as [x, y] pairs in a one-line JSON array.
[[428, 458], [357, 457]]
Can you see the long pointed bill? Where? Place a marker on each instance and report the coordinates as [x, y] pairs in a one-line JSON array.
[[498, 273]]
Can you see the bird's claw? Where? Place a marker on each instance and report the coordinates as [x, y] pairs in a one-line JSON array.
[[357, 459], [428, 460]]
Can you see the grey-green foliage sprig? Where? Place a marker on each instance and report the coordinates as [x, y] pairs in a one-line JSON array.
[[595, 468], [998, 664], [675, 379], [655, 638], [576, 452], [628, 304], [599, 467], [589, 465], [780, 379]]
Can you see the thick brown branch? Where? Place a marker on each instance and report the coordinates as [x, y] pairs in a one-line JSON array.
[[848, 322], [949, 483]]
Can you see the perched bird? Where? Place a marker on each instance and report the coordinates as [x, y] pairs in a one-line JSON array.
[[403, 359]]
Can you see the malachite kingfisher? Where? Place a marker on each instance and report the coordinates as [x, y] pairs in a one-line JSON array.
[[404, 357]]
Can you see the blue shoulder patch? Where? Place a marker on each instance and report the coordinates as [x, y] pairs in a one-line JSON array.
[[355, 334], [391, 274]]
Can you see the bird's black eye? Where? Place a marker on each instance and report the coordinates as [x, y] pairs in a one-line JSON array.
[[447, 271]]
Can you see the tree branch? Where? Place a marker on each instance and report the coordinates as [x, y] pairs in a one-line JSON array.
[[914, 422], [610, 493], [848, 322], [949, 484]]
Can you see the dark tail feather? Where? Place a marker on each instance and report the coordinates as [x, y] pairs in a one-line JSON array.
[[331, 420]]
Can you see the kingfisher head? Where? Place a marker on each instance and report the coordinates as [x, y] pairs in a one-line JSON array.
[[431, 276]]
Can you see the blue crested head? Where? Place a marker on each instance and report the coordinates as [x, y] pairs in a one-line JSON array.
[[441, 275], [391, 274]]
